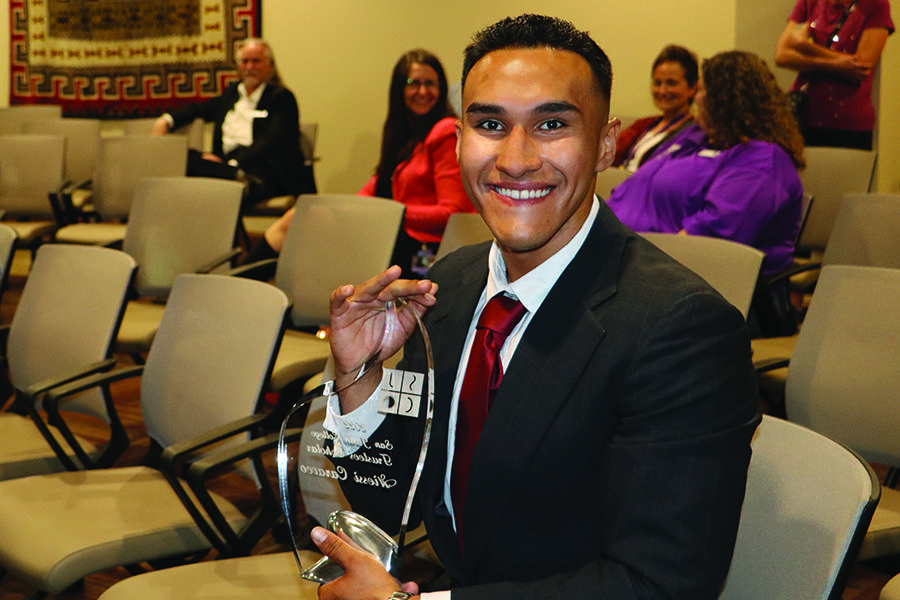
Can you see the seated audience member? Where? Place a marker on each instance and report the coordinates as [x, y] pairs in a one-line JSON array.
[[600, 449], [418, 165], [672, 86], [740, 181], [257, 129]]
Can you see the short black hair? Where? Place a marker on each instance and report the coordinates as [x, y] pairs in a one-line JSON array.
[[539, 31]]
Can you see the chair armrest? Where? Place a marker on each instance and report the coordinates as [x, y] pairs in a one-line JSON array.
[[57, 206], [205, 467], [70, 212], [6, 386], [58, 395], [219, 261], [260, 270], [4, 336], [793, 269], [77, 185], [118, 441], [189, 448], [33, 391], [770, 364]]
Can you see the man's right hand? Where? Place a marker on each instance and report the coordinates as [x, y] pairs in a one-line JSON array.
[[360, 325]]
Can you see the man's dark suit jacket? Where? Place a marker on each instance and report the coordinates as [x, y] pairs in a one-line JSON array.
[[614, 458], [275, 155]]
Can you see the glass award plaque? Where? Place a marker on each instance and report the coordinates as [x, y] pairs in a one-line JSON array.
[[334, 462]]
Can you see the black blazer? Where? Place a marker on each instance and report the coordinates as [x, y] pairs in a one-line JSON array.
[[614, 459], [275, 155]]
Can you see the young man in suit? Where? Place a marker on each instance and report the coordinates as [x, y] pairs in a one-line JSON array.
[[257, 129], [613, 460]]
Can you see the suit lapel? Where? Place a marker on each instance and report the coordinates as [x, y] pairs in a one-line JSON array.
[[548, 362], [448, 323]]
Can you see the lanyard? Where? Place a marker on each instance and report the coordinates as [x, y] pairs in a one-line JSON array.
[[837, 28]]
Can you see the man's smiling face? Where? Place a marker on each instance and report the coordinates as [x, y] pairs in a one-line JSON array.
[[532, 135]]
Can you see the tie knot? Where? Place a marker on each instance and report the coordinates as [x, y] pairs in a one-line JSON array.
[[501, 314]]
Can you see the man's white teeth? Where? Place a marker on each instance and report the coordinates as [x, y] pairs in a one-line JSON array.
[[523, 194]]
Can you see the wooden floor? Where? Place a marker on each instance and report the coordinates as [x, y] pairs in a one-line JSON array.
[[866, 580]]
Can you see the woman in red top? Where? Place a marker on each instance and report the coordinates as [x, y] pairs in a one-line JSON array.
[[418, 159], [834, 46], [673, 87]]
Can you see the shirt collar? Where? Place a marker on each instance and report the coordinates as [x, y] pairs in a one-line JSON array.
[[255, 96], [533, 287]]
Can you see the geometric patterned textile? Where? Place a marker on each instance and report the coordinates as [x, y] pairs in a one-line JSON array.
[[125, 58]]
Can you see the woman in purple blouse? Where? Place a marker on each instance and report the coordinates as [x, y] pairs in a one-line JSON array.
[[735, 175]]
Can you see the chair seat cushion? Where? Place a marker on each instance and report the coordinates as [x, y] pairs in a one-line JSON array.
[[29, 231], [269, 576], [24, 451], [300, 356], [59, 528], [139, 325], [767, 348], [102, 234], [891, 591], [883, 536]]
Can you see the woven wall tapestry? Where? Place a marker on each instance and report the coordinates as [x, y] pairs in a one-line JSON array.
[[125, 58]]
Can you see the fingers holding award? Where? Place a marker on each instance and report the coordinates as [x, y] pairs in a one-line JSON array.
[[357, 469]]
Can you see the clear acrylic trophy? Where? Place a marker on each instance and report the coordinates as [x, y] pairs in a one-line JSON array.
[[403, 395]]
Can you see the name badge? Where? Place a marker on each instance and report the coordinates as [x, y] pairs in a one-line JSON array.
[[259, 114]]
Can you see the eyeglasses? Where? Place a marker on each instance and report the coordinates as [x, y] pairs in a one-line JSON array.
[[414, 84]]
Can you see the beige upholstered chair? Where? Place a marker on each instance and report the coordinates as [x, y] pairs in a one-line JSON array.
[[177, 225], [608, 179], [864, 234], [8, 241], [843, 380], [271, 576], [808, 502], [31, 173], [121, 163], [462, 229], [82, 143], [259, 216], [13, 118], [201, 387], [730, 267], [829, 174], [63, 328], [333, 240]]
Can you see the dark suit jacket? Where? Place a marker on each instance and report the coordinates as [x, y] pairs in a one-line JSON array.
[[614, 459], [275, 155]]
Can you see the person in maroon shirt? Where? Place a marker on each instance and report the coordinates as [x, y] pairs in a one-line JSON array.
[[834, 46]]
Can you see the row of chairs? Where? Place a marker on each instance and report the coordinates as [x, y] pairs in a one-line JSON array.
[[840, 373], [321, 226], [767, 516], [750, 547], [84, 157]]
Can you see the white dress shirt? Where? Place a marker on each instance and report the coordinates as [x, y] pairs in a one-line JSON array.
[[237, 129]]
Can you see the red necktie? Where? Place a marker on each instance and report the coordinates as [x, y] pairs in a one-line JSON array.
[[483, 374]]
